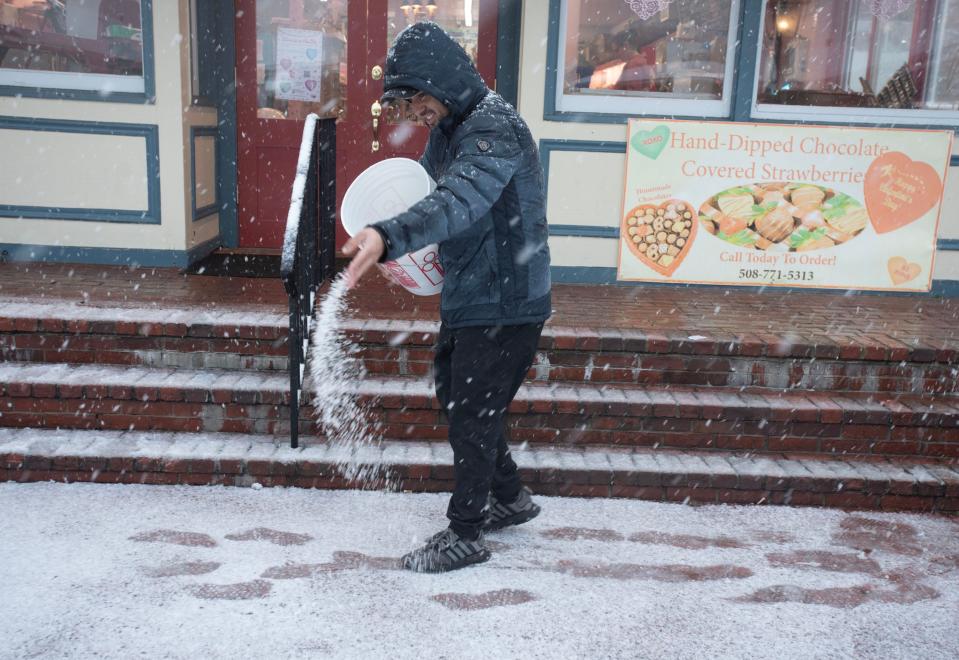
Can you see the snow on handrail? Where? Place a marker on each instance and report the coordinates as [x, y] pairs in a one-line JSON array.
[[296, 198]]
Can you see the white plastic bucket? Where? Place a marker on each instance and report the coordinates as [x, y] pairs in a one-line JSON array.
[[381, 191]]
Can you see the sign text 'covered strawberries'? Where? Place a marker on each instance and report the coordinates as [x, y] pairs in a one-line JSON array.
[[782, 205]]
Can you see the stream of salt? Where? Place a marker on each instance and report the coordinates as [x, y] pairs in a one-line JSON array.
[[335, 373]]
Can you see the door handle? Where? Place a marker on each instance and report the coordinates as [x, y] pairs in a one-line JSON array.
[[376, 110], [376, 72]]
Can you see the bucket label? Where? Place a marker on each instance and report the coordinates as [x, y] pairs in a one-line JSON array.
[[430, 266]]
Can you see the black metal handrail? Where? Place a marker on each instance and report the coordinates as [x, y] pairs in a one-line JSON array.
[[308, 245]]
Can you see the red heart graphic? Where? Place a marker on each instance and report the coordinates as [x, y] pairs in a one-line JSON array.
[[310, 84], [286, 63], [668, 246], [899, 191]]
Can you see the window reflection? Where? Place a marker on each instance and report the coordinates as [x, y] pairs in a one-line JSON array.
[[460, 19], [72, 36], [679, 50], [300, 58], [859, 53]]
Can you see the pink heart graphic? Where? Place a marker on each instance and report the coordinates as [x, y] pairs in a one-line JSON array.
[[310, 84]]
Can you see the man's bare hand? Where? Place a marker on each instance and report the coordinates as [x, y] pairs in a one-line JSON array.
[[368, 248]]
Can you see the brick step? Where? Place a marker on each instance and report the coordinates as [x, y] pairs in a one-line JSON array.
[[659, 475], [174, 338], [200, 338], [142, 398], [614, 356], [67, 396]]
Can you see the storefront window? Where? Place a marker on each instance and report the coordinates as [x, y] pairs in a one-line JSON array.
[[460, 18], [72, 44], [300, 58], [669, 57], [883, 60]]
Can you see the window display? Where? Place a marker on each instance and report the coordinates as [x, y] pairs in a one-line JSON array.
[[877, 55], [631, 54], [300, 58], [72, 44], [460, 19]]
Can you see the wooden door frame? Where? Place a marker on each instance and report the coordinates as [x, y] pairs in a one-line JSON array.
[[508, 40], [245, 160], [262, 132], [487, 38]]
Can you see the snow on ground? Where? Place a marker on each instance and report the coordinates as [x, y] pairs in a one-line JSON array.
[[185, 572]]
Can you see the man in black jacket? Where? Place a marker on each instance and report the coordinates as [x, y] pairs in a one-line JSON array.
[[488, 215]]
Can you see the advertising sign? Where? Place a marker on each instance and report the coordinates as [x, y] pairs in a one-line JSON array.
[[782, 205], [299, 64]]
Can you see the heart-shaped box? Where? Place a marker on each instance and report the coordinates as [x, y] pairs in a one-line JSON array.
[[660, 235]]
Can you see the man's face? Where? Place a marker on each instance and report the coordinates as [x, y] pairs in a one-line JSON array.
[[422, 109]]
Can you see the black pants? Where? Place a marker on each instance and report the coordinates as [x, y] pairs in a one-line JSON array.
[[478, 371]]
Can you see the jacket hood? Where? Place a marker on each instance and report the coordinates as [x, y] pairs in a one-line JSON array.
[[426, 58]]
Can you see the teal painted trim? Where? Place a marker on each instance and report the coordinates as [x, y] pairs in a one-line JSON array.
[[149, 75], [209, 209], [150, 134], [552, 58], [226, 145], [954, 161], [202, 250], [508, 26], [149, 65], [548, 146], [602, 275], [747, 47], [947, 244], [586, 231], [94, 255], [583, 275], [205, 54]]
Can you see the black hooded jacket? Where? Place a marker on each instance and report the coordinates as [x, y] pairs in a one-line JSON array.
[[488, 212]]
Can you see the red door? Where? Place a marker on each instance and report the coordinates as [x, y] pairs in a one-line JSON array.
[[295, 57]]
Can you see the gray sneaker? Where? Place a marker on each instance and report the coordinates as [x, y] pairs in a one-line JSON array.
[[446, 551], [500, 514]]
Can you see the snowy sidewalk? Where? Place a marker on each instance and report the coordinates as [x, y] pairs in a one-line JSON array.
[[183, 572]]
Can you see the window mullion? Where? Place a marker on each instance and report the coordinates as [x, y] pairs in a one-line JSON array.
[[747, 60]]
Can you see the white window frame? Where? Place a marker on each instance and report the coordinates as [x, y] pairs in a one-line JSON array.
[[80, 81], [826, 114], [651, 103], [939, 40], [104, 83]]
